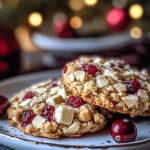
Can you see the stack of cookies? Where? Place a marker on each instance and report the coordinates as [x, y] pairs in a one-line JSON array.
[[90, 91]]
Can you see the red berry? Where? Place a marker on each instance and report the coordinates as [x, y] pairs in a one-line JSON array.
[[26, 117], [4, 104], [132, 86], [65, 69], [28, 95], [53, 83], [75, 102], [123, 131], [90, 69], [114, 102], [48, 113]]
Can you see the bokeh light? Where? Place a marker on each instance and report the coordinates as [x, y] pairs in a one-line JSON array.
[[76, 22], [136, 11], [35, 19], [115, 16], [23, 36], [136, 32], [90, 2], [76, 5]]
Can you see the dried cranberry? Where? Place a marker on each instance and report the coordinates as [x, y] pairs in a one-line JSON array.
[[75, 102], [114, 102], [4, 104], [53, 83], [123, 131], [132, 86], [65, 69], [48, 113], [89, 69], [28, 95], [26, 117]]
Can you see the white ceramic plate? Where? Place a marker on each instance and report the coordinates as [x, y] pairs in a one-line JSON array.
[[12, 137], [78, 45]]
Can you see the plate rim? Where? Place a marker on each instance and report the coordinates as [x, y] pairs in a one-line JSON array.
[[135, 143], [31, 75], [88, 44]]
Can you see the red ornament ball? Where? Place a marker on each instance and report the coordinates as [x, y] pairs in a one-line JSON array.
[[3, 66], [117, 19], [63, 29], [123, 131]]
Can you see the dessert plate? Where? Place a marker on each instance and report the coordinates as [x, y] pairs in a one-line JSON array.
[[12, 137]]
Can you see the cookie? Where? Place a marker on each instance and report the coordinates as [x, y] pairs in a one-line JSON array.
[[48, 109], [109, 83]]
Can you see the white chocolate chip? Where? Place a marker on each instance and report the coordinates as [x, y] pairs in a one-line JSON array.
[[97, 60], [38, 121], [107, 63], [109, 88], [101, 81], [142, 93], [36, 100], [141, 83], [25, 103], [128, 73], [111, 74], [70, 77], [80, 75], [54, 90], [41, 90], [62, 92], [120, 87], [54, 100], [74, 128], [64, 115], [131, 101], [142, 77]]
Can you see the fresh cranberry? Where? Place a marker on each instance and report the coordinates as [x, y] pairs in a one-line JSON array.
[[48, 113], [123, 131], [4, 104], [132, 86], [26, 117], [28, 95], [75, 102], [53, 83], [90, 69], [65, 69]]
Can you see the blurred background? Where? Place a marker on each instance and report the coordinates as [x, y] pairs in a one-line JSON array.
[[38, 35]]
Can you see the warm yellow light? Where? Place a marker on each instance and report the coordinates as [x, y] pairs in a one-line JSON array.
[[35, 19], [76, 22], [136, 11], [90, 2], [76, 5], [24, 38], [136, 32]]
